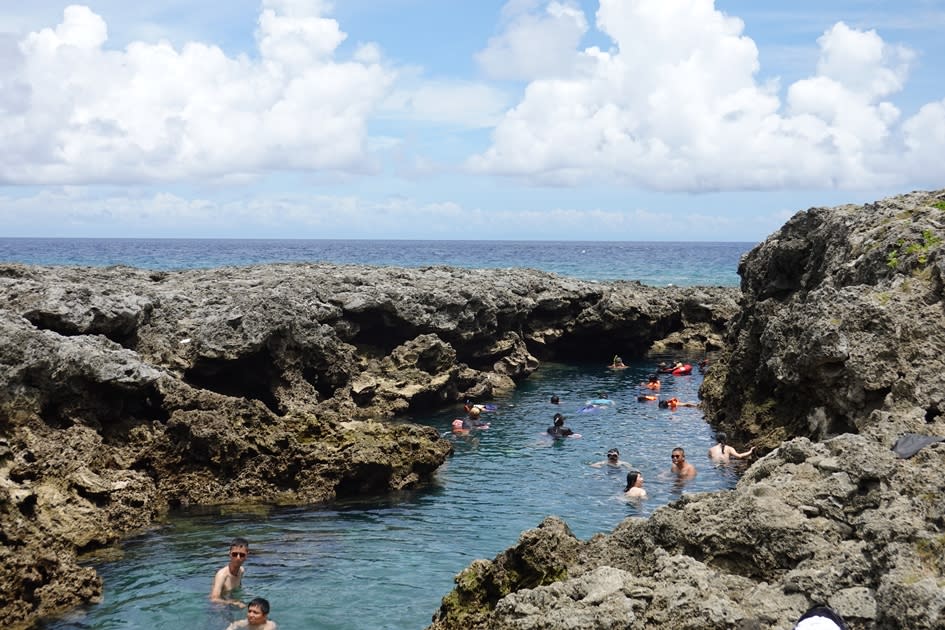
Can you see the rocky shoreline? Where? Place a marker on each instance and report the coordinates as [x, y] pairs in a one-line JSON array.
[[127, 392], [837, 352]]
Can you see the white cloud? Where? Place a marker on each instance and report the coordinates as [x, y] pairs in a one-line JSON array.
[[535, 43], [152, 112], [675, 105]]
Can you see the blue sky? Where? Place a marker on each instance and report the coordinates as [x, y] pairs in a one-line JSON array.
[[449, 119]]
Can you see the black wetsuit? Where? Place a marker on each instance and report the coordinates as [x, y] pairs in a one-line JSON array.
[[559, 432]]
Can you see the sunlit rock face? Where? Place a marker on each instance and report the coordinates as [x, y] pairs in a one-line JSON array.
[[837, 352]]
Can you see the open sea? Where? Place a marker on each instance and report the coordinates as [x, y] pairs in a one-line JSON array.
[[653, 263], [384, 563]]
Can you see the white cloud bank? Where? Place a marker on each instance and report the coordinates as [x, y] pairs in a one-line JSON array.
[[675, 106], [76, 112]]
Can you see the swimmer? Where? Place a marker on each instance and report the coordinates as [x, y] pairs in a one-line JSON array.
[[600, 401], [617, 363], [722, 452], [634, 489], [682, 468], [230, 577], [672, 403], [613, 461], [257, 617], [558, 430], [471, 421], [554, 399], [653, 382]]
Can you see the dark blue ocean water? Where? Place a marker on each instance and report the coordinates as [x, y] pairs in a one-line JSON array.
[[657, 264]]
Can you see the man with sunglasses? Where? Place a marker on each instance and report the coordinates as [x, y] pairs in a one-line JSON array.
[[613, 460], [230, 577], [682, 468]]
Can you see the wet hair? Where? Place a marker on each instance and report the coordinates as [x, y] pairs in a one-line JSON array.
[[613, 452], [559, 419], [554, 399], [239, 542], [722, 438], [632, 477], [260, 602], [654, 378], [475, 411], [679, 450], [664, 404]]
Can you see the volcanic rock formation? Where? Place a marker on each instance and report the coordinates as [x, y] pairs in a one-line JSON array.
[[126, 392], [837, 353]]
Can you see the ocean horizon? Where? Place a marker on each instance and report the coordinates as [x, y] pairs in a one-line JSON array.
[[656, 263]]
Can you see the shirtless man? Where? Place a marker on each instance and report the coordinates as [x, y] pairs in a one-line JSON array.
[[722, 452], [682, 468], [230, 577]]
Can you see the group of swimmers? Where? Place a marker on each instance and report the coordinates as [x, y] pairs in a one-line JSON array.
[[720, 453], [230, 578]]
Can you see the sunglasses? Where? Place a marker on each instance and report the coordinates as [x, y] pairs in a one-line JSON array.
[[237, 554]]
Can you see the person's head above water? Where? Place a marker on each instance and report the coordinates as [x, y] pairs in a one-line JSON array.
[[554, 399], [474, 412], [559, 419], [613, 454], [722, 438], [632, 477], [663, 404]]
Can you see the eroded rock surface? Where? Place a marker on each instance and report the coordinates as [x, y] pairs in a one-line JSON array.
[[837, 351], [124, 392]]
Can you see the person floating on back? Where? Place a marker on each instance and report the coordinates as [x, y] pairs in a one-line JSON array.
[[672, 403], [257, 617], [230, 577], [722, 452]]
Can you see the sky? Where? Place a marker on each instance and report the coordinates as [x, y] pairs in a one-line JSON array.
[[627, 120]]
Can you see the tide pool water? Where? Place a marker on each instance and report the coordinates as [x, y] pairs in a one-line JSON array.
[[385, 562], [656, 264]]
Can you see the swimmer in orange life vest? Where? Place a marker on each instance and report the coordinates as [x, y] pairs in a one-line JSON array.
[[672, 403], [653, 383]]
